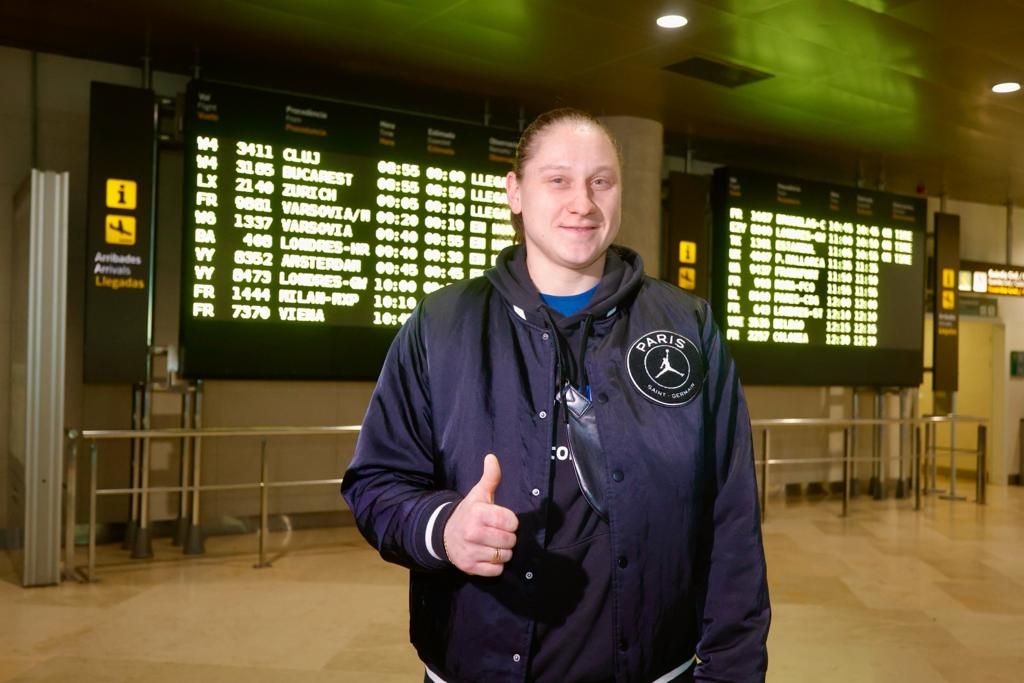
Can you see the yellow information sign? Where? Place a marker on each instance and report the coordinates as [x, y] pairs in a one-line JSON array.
[[121, 194], [948, 278], [948, 300], [687, 252], [120, 230], [687, 278]]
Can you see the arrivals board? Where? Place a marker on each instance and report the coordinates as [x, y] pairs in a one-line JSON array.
[[313, 227], [817, 284]]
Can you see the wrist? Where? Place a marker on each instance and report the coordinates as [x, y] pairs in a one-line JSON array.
[[444, 544], [441, 532]]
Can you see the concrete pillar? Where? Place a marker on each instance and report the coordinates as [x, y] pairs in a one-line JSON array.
[[641, 141]]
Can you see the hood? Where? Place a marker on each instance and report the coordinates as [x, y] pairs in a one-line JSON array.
[[622, 278], [623, 275]]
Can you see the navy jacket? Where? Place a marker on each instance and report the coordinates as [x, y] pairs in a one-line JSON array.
[[474, 371]]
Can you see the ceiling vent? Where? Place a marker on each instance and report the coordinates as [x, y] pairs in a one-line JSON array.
[[719, 73]]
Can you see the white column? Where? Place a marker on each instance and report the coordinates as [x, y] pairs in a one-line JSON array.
[[641, 142]]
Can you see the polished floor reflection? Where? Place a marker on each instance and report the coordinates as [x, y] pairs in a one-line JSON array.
[[885, 594]]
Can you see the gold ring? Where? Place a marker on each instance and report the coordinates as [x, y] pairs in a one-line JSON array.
[[497, 556]]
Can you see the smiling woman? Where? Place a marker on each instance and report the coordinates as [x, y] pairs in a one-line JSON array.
[[580, 503], [528, 142], [566, 198]]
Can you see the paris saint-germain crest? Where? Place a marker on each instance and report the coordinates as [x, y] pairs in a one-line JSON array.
[[666, 367]]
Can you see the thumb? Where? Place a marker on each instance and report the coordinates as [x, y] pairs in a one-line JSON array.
[[488, 484]]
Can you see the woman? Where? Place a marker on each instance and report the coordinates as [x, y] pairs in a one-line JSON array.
[[611, 532]]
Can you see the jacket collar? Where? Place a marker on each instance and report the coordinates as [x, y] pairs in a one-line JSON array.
[[623, 275]]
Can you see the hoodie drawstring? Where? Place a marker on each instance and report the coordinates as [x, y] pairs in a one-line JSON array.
[[559, 349], [584, 382], [574, 370], [580, 421]]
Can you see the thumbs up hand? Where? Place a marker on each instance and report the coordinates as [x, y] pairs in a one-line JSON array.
[[480, 535]]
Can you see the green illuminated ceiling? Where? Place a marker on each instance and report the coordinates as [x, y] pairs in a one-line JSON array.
[[900, 85]]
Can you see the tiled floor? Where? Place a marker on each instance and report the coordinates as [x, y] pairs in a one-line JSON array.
[[883, 595]]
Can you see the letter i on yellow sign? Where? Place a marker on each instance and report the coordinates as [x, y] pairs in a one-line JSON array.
[[948, 278], [687, 252], [121, 194]]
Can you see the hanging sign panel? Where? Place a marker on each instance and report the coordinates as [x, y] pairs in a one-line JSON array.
[[991, 278], [686, 258], [119, 234], [946, 304]]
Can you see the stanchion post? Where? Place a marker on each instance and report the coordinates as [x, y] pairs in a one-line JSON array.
[[70, 502], [135, 469], [143, 547], [264, 517], [915, 475], [847, 439], [876, 485], [952, 495], [933, 460], [905, 435], [194, 542], [980, 481], [855, 412], [93, 477], [765, 454], [181, 528], [915, 414], [952, 458]]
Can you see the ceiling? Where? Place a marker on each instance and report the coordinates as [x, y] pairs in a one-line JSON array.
[[891, 93]]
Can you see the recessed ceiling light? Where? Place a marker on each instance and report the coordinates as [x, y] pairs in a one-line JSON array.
[[672, 21], [1006, 87]]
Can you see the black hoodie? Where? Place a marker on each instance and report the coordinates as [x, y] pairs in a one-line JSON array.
[[473, 371], [573, 640]]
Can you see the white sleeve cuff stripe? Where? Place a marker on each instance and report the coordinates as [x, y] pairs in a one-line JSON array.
[[430, 531], [678, 671], [433, 676]]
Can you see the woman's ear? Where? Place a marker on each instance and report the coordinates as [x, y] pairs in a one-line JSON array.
[[512, 191]]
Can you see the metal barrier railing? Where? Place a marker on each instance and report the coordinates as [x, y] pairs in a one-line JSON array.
[[847, 459], [93, 436]]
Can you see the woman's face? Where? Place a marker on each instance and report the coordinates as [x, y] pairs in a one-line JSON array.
[[569, 196]]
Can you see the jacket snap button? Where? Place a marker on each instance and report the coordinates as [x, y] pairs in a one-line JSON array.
[[545, 336], [602, 398], [617, 475], [529, 576], [535, 492], [623, 562], [516, 658], [542, 414]]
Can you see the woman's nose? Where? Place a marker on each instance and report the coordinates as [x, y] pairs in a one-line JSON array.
[[581, 202]]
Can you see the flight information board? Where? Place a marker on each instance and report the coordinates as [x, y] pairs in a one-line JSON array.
[[817, 284], [313, 227]]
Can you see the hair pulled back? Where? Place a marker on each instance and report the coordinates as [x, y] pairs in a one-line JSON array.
[[528, 144]]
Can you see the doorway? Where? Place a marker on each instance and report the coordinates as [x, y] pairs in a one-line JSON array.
[[980, 389]]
